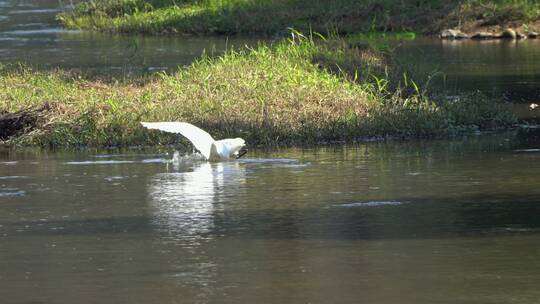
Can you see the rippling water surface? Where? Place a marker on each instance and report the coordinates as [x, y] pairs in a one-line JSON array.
[[417, 222], [29, 33]]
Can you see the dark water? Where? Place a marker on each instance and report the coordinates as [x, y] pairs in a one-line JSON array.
[[499, 67], [418, 222], [30, 33]]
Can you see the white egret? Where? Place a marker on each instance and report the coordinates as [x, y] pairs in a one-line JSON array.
[[212, 150]]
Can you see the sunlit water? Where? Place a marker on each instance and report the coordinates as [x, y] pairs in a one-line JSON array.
[[418, 222]]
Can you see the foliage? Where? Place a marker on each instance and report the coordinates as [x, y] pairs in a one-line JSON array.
[[275, 16], [303, 90]]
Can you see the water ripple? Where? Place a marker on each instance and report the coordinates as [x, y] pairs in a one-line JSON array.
[[527, 150], [100, 162], [13, 177], [35, 11], [370, 204], [12, 194], [40, 31]]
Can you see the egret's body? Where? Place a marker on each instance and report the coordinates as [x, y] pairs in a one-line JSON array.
[[212, 150]]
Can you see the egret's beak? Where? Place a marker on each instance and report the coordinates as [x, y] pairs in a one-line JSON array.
[[241, 153]]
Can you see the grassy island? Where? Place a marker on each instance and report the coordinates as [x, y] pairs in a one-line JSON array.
[[296, 91], [272, 17]]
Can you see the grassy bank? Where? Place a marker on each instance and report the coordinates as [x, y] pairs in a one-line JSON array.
[[297, 91], [275, 16]]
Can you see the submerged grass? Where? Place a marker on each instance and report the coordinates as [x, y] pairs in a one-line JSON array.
[[297, 91], [275, 16]]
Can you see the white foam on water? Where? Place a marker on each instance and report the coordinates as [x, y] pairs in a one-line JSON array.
[[179, 159], [125, 155], [115, 162], [12, 194], [35, 11], [114, 178], [269, 160], [371, 204], [514, 229], [100, 162], [295, 165], [527, 150], [13, 177], [270, 163], [40, 31], [156, 161]]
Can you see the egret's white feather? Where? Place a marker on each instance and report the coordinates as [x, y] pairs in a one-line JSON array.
[[211, 149], [198, 137]]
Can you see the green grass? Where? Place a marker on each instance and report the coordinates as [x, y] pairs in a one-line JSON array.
[[501, 11], [298, 91], [275, 16]]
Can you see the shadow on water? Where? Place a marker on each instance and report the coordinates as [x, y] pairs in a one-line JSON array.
[[184, 220], [499, 68]]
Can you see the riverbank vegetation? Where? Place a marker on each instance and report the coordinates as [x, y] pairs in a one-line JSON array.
[[272, 17], [303, 90]]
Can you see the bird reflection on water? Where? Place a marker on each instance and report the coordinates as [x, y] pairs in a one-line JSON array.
[[185, 200], [184, 203]]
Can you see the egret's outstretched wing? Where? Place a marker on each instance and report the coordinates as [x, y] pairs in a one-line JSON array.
[[198, 137]]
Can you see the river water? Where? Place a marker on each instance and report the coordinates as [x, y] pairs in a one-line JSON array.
[[415, 222], [29, 33], [441, 221]]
